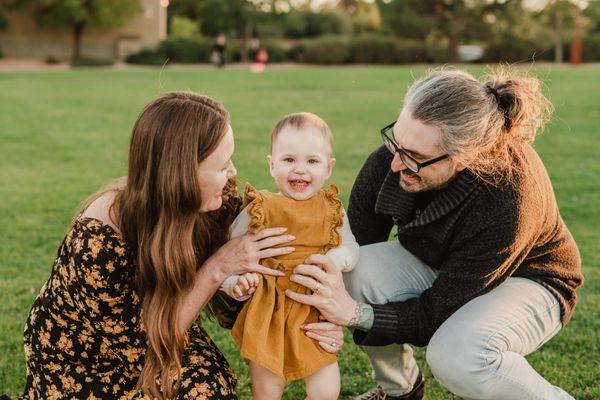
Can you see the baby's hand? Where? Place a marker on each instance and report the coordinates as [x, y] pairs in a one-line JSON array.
[[246, 284]]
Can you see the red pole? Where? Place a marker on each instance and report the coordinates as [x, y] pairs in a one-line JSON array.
[[576, 45]]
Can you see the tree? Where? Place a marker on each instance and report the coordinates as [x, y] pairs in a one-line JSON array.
[[450, 20], [592, 16], [80, 14], [5, 6], [561, 16]]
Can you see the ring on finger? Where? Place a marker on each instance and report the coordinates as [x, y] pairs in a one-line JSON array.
[[317, 287]]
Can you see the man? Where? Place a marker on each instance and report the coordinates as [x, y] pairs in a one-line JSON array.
[[484, 270]]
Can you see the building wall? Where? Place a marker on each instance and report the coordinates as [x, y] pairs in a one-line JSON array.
[[23, 38]]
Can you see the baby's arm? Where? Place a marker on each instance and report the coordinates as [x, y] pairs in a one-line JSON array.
[[345, 256], [238, 228]]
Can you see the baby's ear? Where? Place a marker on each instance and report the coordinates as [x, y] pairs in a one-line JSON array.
[[271, 164], [330, 166]]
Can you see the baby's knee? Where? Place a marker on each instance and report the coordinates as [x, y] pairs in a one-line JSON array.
[[324, 392], [265, 384], [267, 390], [324, 384]]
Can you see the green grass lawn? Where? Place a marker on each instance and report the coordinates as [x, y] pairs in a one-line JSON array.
[[64, 134]]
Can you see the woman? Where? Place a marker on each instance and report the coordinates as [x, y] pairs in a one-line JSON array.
[[118, 316], [484, 270]]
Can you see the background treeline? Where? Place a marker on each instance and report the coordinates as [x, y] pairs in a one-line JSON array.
[[385, 32]]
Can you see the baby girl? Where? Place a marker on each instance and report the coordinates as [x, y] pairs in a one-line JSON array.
[[268, 329]]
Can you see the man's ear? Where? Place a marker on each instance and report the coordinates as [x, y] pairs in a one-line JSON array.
[[330, 166], [458, 166], [271, 164]]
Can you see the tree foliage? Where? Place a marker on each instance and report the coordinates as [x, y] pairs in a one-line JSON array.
[[79, 15]]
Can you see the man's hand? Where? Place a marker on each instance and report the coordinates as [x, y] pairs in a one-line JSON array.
[[329, 294]]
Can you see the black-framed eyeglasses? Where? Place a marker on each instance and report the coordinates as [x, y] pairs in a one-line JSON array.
[[413, 165]]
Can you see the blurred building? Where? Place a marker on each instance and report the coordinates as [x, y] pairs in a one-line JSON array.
[[23, 38]]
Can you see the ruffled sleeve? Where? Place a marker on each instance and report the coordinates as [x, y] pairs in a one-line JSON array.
[[334, 216], [253, 204]]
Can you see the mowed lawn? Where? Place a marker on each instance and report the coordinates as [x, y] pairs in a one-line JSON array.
[[65, 134]]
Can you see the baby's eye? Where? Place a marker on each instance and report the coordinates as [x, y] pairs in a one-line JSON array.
[[288, 160], [313, 161]]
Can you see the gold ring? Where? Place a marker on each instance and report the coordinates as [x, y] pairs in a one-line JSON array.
[[316, 289]]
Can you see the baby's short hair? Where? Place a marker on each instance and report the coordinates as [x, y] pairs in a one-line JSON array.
[[300, 120]]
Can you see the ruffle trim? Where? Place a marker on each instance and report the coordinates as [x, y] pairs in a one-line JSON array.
[[253, 203], [334, 216]]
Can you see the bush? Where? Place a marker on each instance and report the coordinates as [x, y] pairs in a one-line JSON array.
[[372, 49], [591, 47], [146, 57], [325, 50], [51, 60], [92, 62], [409, 51], [509, 48], [233, 51], [186, 50], [302, 24], [363, 49], [378, 49], [437, 52], [277, 53], [326, 22], [183, 27]]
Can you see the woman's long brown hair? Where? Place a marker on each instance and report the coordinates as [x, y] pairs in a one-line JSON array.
[[157, 211]]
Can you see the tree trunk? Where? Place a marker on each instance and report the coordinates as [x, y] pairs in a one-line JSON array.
[[246, 40], [453, 43], [77, 34], [558, 44]]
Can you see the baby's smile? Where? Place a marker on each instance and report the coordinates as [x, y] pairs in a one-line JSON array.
[[298, 185]]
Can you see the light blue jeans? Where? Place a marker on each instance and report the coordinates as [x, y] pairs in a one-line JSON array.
[[478, 352]]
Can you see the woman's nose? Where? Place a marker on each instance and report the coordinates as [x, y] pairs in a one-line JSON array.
[[397, 164], [232, 171]]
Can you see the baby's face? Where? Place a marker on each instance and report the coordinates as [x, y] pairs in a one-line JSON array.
[[300, 162]]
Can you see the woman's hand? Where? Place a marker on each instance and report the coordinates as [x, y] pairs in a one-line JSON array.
[[242, 254], [329, 296], [330, 336]]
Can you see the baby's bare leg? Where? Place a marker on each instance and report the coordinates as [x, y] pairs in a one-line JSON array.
[[265, 384], [323, 384]]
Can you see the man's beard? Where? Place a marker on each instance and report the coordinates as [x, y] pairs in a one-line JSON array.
[[417, 183], [414, 183]]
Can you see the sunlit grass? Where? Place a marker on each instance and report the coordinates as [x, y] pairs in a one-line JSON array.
[[64, 134]]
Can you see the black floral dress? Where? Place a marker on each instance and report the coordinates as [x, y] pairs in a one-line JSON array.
[[84, 339]]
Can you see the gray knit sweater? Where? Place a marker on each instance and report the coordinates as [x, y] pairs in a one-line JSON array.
[[476, 234]]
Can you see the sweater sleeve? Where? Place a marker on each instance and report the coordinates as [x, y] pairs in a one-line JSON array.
[[367, 226], [478, 261]]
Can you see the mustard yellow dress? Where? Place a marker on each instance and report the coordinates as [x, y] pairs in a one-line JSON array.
[[267, 329]]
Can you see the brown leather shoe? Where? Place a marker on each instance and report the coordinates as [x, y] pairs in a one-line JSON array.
[[377, 393]]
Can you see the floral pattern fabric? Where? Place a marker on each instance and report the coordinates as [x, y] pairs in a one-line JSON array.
[[84, 338]]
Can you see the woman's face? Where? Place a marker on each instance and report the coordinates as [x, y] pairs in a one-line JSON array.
[[214, 172], [422, 142]]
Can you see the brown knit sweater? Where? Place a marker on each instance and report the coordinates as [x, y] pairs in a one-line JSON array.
[[476, 234]]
